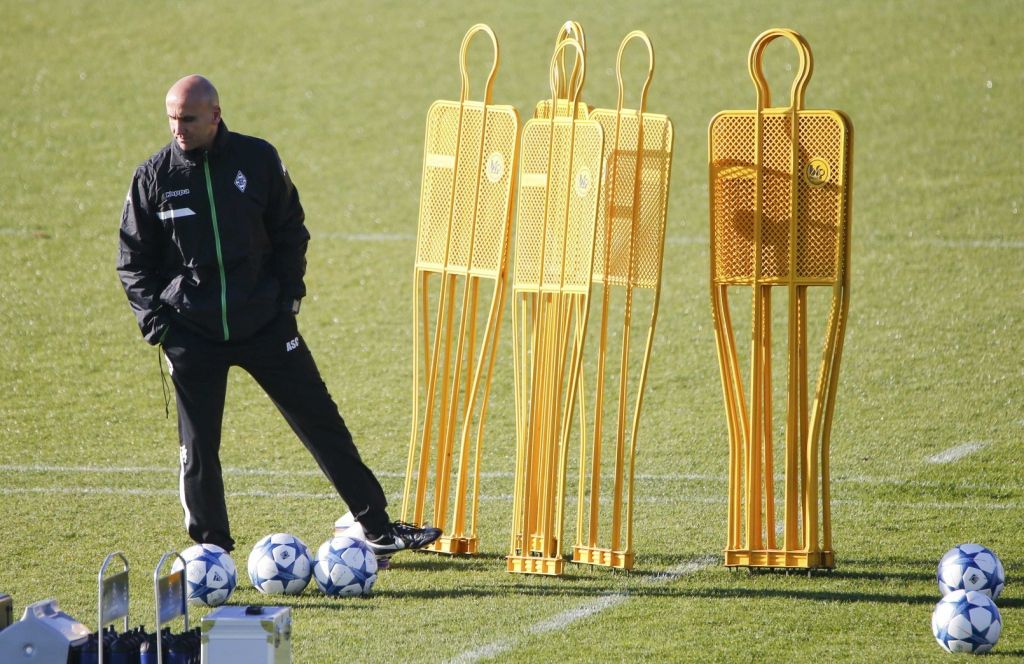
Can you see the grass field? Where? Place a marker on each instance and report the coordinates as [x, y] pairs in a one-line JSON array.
[[932, 360]]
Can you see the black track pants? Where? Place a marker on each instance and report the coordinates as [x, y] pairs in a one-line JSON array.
[[278, 359]]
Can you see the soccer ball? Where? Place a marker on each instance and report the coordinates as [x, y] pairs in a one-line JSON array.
[[210, 574], [966, 621], [280, 564], [347, 525], [971, 567], [345, 566]]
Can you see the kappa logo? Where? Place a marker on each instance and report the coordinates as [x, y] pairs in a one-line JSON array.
[[291, 345], [176, 192], [183, 453], [241, 182]]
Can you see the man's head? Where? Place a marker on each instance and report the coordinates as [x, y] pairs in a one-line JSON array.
[[193, 112]]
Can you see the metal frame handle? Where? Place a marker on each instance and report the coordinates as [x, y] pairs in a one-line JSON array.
[[181, 611], [464, 68], [570, 29], [576, 82], [102, 619], [642, 36], [755, 64]]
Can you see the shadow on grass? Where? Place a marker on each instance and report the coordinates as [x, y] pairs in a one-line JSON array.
[[562, 589], [340, 604], [591, 591], [588, 582], [430, 561], [652, 565], [850, 574], [821, 596]]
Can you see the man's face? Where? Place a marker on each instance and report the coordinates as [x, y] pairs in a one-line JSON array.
[[193, 122]]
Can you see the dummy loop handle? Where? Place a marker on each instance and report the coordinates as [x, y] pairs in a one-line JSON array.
[[577, 82], [755, 63], [463, 68], [642, 36], [570, 30]]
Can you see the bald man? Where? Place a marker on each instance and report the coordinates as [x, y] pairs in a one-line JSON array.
[[212, 258]]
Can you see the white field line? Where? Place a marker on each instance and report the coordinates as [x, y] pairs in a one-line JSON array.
[[410, 237], [159, 470], [683, 569], [561, 621], [956, 243], [958, 452], [977, 243], [163, 470], [896, 505], [685, 239], [867, 504], [125, 491], [640, 477], [366, 237]]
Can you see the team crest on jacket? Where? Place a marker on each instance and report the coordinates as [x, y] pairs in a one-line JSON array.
[[240, 181]]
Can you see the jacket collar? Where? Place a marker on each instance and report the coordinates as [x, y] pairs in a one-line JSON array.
[[188, 159]]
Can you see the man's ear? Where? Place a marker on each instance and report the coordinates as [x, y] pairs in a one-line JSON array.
[[216, 113]]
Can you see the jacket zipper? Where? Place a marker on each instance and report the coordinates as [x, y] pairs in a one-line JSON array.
[[216, 241]]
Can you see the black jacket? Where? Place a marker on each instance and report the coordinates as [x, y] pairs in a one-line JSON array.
[[213, 240]]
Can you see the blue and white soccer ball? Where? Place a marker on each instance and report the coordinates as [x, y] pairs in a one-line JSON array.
[[210, 575], [345, 566], [966, 621], [280, 564], [971, 567], [347, 525]]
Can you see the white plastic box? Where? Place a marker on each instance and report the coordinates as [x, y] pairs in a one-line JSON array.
[[247, 635], [44, 634]]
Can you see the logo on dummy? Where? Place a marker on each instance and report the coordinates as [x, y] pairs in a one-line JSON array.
[[291, 345], [241, 182], [817, 172], [494, 167], [582, 181]]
